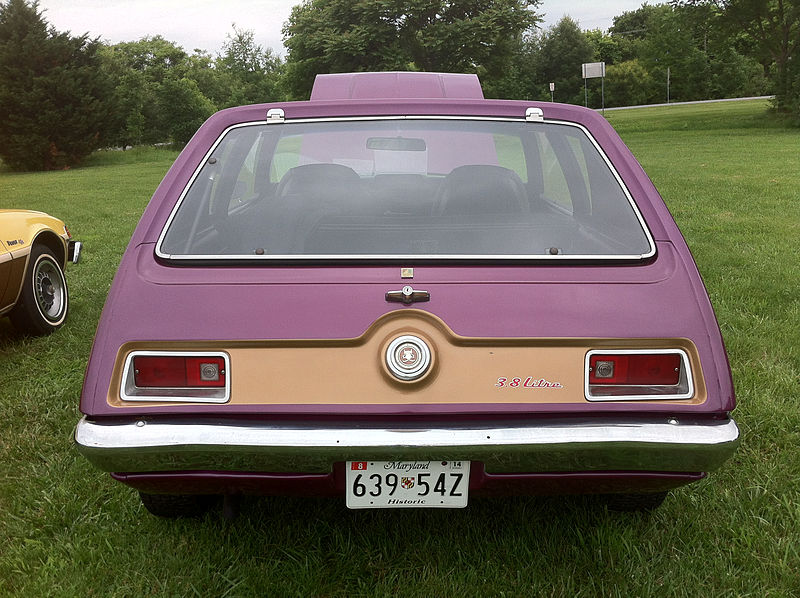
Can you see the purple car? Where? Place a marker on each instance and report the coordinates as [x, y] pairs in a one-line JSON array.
[[402, 294]]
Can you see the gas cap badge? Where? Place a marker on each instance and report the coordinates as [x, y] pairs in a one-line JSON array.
[[408, 357]]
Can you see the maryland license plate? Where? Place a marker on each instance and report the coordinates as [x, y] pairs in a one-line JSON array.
[[404, 484]]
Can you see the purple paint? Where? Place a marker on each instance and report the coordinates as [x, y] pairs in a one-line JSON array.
[[662, 297], [333, 484], [403, 84]]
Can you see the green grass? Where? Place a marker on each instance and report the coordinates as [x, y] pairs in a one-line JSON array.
[[731, 177]]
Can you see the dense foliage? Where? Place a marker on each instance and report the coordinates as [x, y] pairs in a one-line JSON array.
[[337, 36], [54, 96], [769, 30], [63, 96], [656, 53], [164, 94]]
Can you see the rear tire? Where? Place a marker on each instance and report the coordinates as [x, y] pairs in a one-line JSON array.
[[174, 506], [44, 299], [634, 502]]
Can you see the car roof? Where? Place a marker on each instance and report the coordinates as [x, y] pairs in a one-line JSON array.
[[396, 84]]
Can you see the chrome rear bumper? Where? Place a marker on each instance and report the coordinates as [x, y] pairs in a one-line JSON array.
[[566, 445]]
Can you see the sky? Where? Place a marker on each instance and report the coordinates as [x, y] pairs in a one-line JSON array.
[[204, 24]]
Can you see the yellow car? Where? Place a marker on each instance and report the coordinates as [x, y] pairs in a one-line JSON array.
[[34, 249]]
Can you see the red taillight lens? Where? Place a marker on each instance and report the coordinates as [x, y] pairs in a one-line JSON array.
[[160, 371], [167, 372], [659, 369], [205, 371]]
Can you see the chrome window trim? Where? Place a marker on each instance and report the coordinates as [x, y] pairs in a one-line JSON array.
[[212, 394], [686, 370], [382, 257]]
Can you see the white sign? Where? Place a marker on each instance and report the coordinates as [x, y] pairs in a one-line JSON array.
[[592, 70], [552, 87]]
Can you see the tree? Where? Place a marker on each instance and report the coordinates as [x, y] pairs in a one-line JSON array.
[[182, 108], [735, 75], [669, 43], [154, 56], [630, 29], [52, 92], [628, 84], [563, 48], [252, 72], [330, 36], [607, 48], [773, 26], [155, 100], [164, 94], [684, 40], [213, 82]]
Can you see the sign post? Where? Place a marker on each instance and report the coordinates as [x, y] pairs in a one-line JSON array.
[[667, 85], [552, 89], [592, 70]]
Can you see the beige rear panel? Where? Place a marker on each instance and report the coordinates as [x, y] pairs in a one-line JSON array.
[[463, 369]]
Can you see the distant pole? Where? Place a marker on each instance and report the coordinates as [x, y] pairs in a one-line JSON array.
[[667, 85], [552, 89], [585, 94], [603, 94]]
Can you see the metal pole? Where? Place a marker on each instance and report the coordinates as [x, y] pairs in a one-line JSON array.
[[667, 85], [603, 94], [585, 94]]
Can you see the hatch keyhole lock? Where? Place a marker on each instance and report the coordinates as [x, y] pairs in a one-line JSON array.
[[408, 295]]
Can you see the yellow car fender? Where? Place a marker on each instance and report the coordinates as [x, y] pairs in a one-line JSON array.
[[20, 232]]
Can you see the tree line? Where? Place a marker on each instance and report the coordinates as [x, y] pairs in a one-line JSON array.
[[63, 96]]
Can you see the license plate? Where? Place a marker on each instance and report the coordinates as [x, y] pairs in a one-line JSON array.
[[407, 484]]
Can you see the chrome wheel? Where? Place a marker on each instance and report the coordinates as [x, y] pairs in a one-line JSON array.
[[44, 299], [50, 289]]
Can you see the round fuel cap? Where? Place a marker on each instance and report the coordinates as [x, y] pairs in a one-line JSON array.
[[408, 357]]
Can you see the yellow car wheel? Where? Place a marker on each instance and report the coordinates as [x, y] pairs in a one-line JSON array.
[[44, 301]]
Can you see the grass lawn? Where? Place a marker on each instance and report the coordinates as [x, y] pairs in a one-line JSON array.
[[731, 177]]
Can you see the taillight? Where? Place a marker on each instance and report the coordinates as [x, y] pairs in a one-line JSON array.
[[175, 372], [638, 375], [159, 372], [660, 369], [176, 376]]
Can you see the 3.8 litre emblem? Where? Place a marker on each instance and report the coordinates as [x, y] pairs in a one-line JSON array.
[[408, 357]]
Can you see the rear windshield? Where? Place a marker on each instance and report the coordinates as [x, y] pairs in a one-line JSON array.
[[405, 188]]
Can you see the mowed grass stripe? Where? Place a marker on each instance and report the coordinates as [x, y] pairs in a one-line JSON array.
[[730, 175]]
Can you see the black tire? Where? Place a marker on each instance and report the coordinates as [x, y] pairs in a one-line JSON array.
[[44, 300], [175, 506], [634, 502]]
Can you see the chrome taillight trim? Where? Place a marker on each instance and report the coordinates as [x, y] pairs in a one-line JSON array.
[[682, 391], [130, 392]]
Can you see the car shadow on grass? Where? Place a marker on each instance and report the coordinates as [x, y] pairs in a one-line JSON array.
[[308, 524], [317, 547]]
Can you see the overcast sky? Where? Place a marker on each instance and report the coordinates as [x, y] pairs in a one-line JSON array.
[[205, 23]]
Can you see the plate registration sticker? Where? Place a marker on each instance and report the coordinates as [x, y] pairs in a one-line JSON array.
[[407, 484]]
